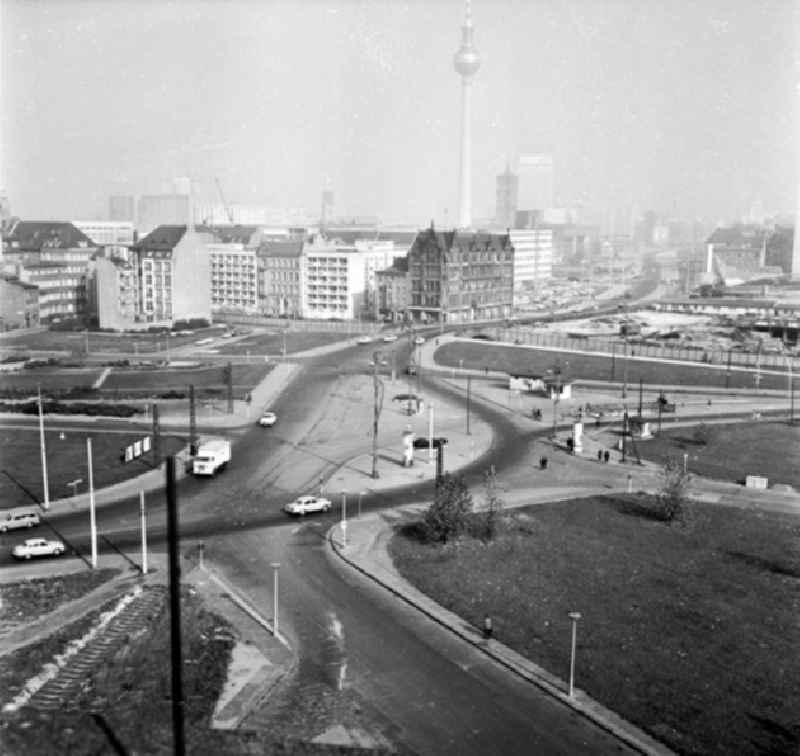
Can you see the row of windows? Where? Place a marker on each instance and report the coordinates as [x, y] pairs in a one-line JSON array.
[[327, 260]]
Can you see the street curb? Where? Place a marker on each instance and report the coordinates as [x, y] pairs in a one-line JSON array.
[[606, 719]]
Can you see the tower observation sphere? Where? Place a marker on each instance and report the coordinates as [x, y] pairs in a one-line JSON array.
[[467, 61]]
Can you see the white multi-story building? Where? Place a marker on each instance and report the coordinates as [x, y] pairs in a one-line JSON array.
[[333, 280], [533, 262], [234, 272], [115, 237]]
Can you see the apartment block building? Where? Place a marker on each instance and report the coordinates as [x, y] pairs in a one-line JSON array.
[[234, 277], [173, 268], [394, 290], [281, 277], [333, 280], [19, 304], [113, 293], [459, 276], [53, 255]]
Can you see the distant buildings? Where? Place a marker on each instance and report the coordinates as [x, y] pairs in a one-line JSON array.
[[738, 254], [122, 208], [393, 290], [114, 238], [334, 281], [155, 210], [507, 197], [535, 182]]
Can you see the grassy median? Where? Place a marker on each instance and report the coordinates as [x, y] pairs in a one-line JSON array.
[[689, 630]]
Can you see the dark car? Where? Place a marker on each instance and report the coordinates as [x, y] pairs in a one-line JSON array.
[[411, 370]]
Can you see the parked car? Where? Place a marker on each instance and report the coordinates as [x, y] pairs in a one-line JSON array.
[[419, 340], [411, 369], [38, 547], [268, 419], [389, 338], [305, 504], [21, 517], [363, 340]]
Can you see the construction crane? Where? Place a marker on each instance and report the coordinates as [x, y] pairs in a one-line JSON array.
[[225, 207]]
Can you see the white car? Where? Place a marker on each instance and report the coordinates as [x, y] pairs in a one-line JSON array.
[[268, 419], [363, 340], [305, 504], [36, 547], [419, 340], [389, 338]]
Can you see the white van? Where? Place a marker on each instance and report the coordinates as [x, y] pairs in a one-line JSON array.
[[21, 517]]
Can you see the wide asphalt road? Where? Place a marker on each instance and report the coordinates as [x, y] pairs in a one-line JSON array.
[[433, 693]]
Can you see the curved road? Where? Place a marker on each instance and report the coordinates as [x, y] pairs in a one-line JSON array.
[[414, 684]]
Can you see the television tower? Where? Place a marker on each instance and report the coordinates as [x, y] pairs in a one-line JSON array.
[[467, 61]]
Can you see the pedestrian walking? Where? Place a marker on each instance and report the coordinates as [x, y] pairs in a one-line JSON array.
[[487, 627], [486, 370], [599, 455], [606, 456]]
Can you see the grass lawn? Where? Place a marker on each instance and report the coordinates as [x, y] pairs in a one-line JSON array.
[[132, 692], [732, 451], [29, 599], [271, 343], [49, 379], [511, 359], [123, 382], [75, 341], [66, 461], [689, 631]]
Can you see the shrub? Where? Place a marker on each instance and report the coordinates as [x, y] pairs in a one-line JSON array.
[[671, 497], [446, 517]]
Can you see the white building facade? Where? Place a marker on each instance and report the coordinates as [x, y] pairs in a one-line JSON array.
[[533, 263], [333, 281], [234, 273]]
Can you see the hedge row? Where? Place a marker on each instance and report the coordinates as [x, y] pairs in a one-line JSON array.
[[77, 408]]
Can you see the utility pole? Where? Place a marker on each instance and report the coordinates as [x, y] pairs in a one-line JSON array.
[[176, 656], [640, 397], [156, 437], [613, 356], [229, 381], [92, 520], [728, 371], [192, 420], [377, 397]]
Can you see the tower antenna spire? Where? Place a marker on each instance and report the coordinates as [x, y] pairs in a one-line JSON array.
[[466, 61]]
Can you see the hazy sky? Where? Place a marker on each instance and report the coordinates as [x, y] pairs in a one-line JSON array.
[[685, 104]]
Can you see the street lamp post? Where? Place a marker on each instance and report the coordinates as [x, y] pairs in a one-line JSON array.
[[43, 453], [360, 496], [92, 521], [275, 567], [574, 616], [469, 392], [344, 519]]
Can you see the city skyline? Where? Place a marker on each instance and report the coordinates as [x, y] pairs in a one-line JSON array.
[[273, 98]]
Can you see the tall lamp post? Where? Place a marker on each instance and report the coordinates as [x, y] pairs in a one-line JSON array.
[[574, 616], [46, 486]]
